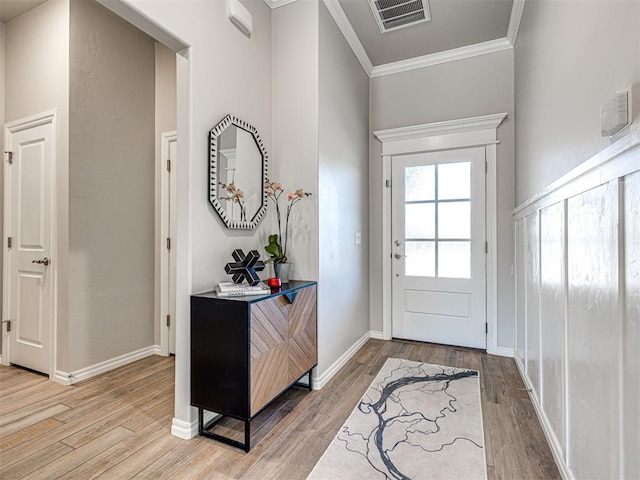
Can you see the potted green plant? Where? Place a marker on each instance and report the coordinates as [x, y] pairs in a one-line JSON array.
[[278, 244]]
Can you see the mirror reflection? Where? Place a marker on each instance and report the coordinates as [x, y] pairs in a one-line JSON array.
[[237, 171]]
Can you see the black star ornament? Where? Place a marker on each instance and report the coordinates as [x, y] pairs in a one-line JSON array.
[[245, 267]]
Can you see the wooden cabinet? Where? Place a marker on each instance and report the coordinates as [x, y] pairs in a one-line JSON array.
[[246, 351]]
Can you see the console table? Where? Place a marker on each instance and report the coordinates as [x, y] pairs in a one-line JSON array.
[[247, 351]]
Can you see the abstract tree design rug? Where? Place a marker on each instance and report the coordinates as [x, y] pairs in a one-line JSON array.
[[416, 421]]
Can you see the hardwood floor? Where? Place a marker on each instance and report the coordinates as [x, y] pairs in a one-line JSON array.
[[116, 426]]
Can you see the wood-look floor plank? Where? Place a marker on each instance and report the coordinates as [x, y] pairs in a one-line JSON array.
[[146, 455], [117, 425], [78, 456], [34, 418], [30, 395], [130, 391], [25, 434], [38, 460], [113, 456], [20, 382], [121, 417], [18, 453]]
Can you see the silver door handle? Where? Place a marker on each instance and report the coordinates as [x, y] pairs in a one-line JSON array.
[[44, 261], [398, 256]]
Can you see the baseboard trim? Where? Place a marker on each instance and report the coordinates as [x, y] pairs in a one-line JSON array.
[[65, 378], [556, 450], [319, 382], [184, 430], [378, 335], [189, 430], [503, 352]]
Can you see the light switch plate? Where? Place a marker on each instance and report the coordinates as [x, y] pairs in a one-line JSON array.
[[358, 238]]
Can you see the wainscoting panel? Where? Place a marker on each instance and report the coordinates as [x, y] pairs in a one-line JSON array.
[[631, 329], [592, 333], [532, 275], [577, 259], [552, 307], [521, 339]]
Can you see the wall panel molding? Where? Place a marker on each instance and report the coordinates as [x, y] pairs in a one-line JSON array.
[[577, 313]]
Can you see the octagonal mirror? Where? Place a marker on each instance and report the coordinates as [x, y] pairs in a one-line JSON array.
[[237, 173]]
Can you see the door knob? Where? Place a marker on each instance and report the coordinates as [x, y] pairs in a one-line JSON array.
[[44, 261], [398, 256]]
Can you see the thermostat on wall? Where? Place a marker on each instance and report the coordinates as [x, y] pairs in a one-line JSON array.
[[240, 17], [614, 114]]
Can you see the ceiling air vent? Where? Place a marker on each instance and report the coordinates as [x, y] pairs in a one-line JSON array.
[[394, 14]]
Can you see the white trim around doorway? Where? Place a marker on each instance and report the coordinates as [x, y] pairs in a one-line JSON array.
[[432, 137]]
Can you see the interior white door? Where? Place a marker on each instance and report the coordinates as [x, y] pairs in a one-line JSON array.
[[438, 245], [169, 152], [28, 259]]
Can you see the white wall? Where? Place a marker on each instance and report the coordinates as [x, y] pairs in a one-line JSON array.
[[37, 80], [466, 88], [111, 187], [295, 125], [570, 58], [343, 191], [165, 121]]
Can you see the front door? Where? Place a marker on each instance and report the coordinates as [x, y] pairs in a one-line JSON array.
[[28, 259], [438, 245]]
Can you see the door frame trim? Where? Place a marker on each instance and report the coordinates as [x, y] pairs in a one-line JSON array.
[[43, 118], [166, 230], [432, 137]]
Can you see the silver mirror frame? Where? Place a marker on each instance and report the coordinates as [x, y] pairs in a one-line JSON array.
[[214, 133]]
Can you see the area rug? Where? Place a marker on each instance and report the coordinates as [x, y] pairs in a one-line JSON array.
[[416, 421]]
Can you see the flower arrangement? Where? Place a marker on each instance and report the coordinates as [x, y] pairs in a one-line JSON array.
[[235, 195], [277, 247]]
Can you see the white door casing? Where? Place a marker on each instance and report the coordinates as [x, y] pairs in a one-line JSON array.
[[29, 263], [168, 195], [438, 244], [463, 133]]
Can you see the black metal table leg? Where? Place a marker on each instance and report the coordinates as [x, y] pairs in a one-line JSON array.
[[247, 435]]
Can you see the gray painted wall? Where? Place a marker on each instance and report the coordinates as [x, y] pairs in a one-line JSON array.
[[2, 70], [165, 121], [570, 58], [343, 193], [111, 187], [320, 118], [466, 88], [295, 124], [37, 80]]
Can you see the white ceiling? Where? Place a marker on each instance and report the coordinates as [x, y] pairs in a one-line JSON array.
[[454, 24], [10, 9]]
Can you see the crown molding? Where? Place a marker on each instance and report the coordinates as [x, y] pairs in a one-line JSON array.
[[469, 51], [278, 3], [349, 33], [461, 53], [471, 124], [514, 21]]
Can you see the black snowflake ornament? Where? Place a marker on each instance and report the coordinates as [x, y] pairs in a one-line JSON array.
[[245, 267]]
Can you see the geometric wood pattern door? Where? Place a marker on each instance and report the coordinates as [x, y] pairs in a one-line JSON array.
[[283, 344], [303, 335]]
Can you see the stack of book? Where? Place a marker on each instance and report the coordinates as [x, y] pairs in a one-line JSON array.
[[230, 289]]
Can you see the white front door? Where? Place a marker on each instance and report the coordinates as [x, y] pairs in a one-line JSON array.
[[28, 259], [438, 247]]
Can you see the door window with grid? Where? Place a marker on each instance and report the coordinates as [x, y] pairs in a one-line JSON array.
[[437, 208]]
